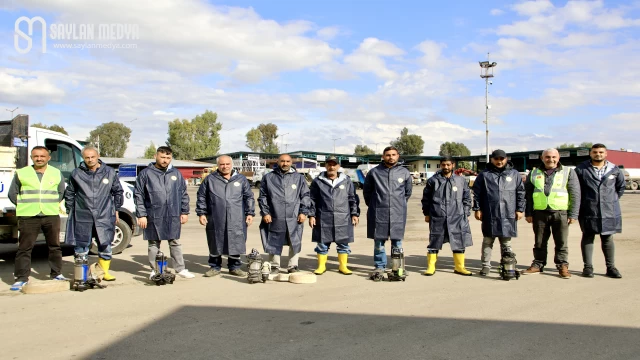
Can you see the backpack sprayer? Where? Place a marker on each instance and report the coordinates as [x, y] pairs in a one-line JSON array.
[[507, 267], [85, 276], [161, 276], [258, 269]]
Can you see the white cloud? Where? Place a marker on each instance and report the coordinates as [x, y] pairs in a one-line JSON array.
[[28, 88], [162, 113], [532, 8], [496, 12], [369, 58], [328, 33]]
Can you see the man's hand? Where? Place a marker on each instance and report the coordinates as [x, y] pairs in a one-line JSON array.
[[426, 219], [529, 219], [117, 218], [267, 219], [478, 215], [301, 218], [312, 222], [249, 220], [571, 221], [519, 215], [184, 218], [142, 222], [203, 220], [355, 220]]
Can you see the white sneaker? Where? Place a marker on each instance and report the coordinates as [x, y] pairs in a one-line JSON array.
[[153, 273], [186, 274]]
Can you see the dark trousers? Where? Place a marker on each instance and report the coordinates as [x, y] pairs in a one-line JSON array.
[[215, 254], [29, 228], [608, 248], [546, 223]]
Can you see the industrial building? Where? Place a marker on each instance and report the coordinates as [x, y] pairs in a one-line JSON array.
[[191, 170]]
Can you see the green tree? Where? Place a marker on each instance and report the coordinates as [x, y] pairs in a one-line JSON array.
[[269, 135], [586, 144], [408, 144], [450, 148], [362, 150], [194, 139], [254, 140], [53, 127], [565, 146], [150, 151], [111, 138]]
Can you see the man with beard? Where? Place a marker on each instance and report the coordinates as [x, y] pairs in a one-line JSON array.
[[92, 199], [387, 189], [601, 186], [553, 202], [226, 207], [499, 202], [333, 215], [37, 191], [284, 206], [162, 206], [446, 205]]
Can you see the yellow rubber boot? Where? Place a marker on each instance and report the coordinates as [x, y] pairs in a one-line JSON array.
[[104, 264], [458, 261], [322, 265], [342, 260], [431, 264]]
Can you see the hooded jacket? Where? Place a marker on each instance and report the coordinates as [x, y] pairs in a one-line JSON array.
[[161, 197], [226, 204], [91, 200], [386, 193], [499, 194]]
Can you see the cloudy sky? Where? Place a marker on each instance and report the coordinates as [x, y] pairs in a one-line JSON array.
[[355, 70]]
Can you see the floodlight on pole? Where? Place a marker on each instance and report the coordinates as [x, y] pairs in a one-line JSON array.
[[486, 72], [334, 144], [282, 141], [11, 111]]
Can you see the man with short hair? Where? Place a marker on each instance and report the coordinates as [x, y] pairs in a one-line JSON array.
[[446, 205], [601, 187], [333, 215], [284, 206], [162, 206], [37, 191], [226, 207], [499, 202], [553, 202], [92, 199], [387, 189]]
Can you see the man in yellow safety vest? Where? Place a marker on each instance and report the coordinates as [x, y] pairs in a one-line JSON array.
[[37, 191], [553, 203]]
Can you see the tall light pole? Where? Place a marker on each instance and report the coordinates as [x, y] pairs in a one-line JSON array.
[[286, 147], [377, 147], [282, 141], [334, 144], [486, 72], [11, 111]]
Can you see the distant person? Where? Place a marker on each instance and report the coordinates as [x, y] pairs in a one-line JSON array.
[[601, 187], [333, 215], [162, 206], [553, 202], [92, 199], [499, 202], [284, 206], [37, 191], [226, 207], [387, 189], [446, 205]]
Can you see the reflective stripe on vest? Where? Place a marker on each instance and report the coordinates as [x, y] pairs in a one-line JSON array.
[[558, 198], [37, 196]]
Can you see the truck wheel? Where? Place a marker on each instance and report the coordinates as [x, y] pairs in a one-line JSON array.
[[634, 185], [121, 239]]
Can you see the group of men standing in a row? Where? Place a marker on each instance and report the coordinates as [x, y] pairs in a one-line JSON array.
[[553, 198]]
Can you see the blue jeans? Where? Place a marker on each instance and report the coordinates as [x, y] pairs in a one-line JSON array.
[[380, 254], [323, 248], [233, 262], [104, 252]]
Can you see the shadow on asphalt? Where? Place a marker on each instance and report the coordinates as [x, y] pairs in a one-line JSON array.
[[210, 332]]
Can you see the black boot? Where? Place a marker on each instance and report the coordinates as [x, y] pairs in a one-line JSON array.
[[612, 272], [587, 272]]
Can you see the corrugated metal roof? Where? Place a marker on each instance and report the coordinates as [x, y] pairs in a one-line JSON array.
[[175, 163]]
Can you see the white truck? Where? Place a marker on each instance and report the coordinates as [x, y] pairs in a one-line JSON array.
[[17, 139]]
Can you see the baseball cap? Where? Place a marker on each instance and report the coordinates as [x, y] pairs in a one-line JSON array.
[[332, 158], [499, 154]]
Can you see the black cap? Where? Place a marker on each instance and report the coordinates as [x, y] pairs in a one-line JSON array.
[[498, 154], [332, 158]]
